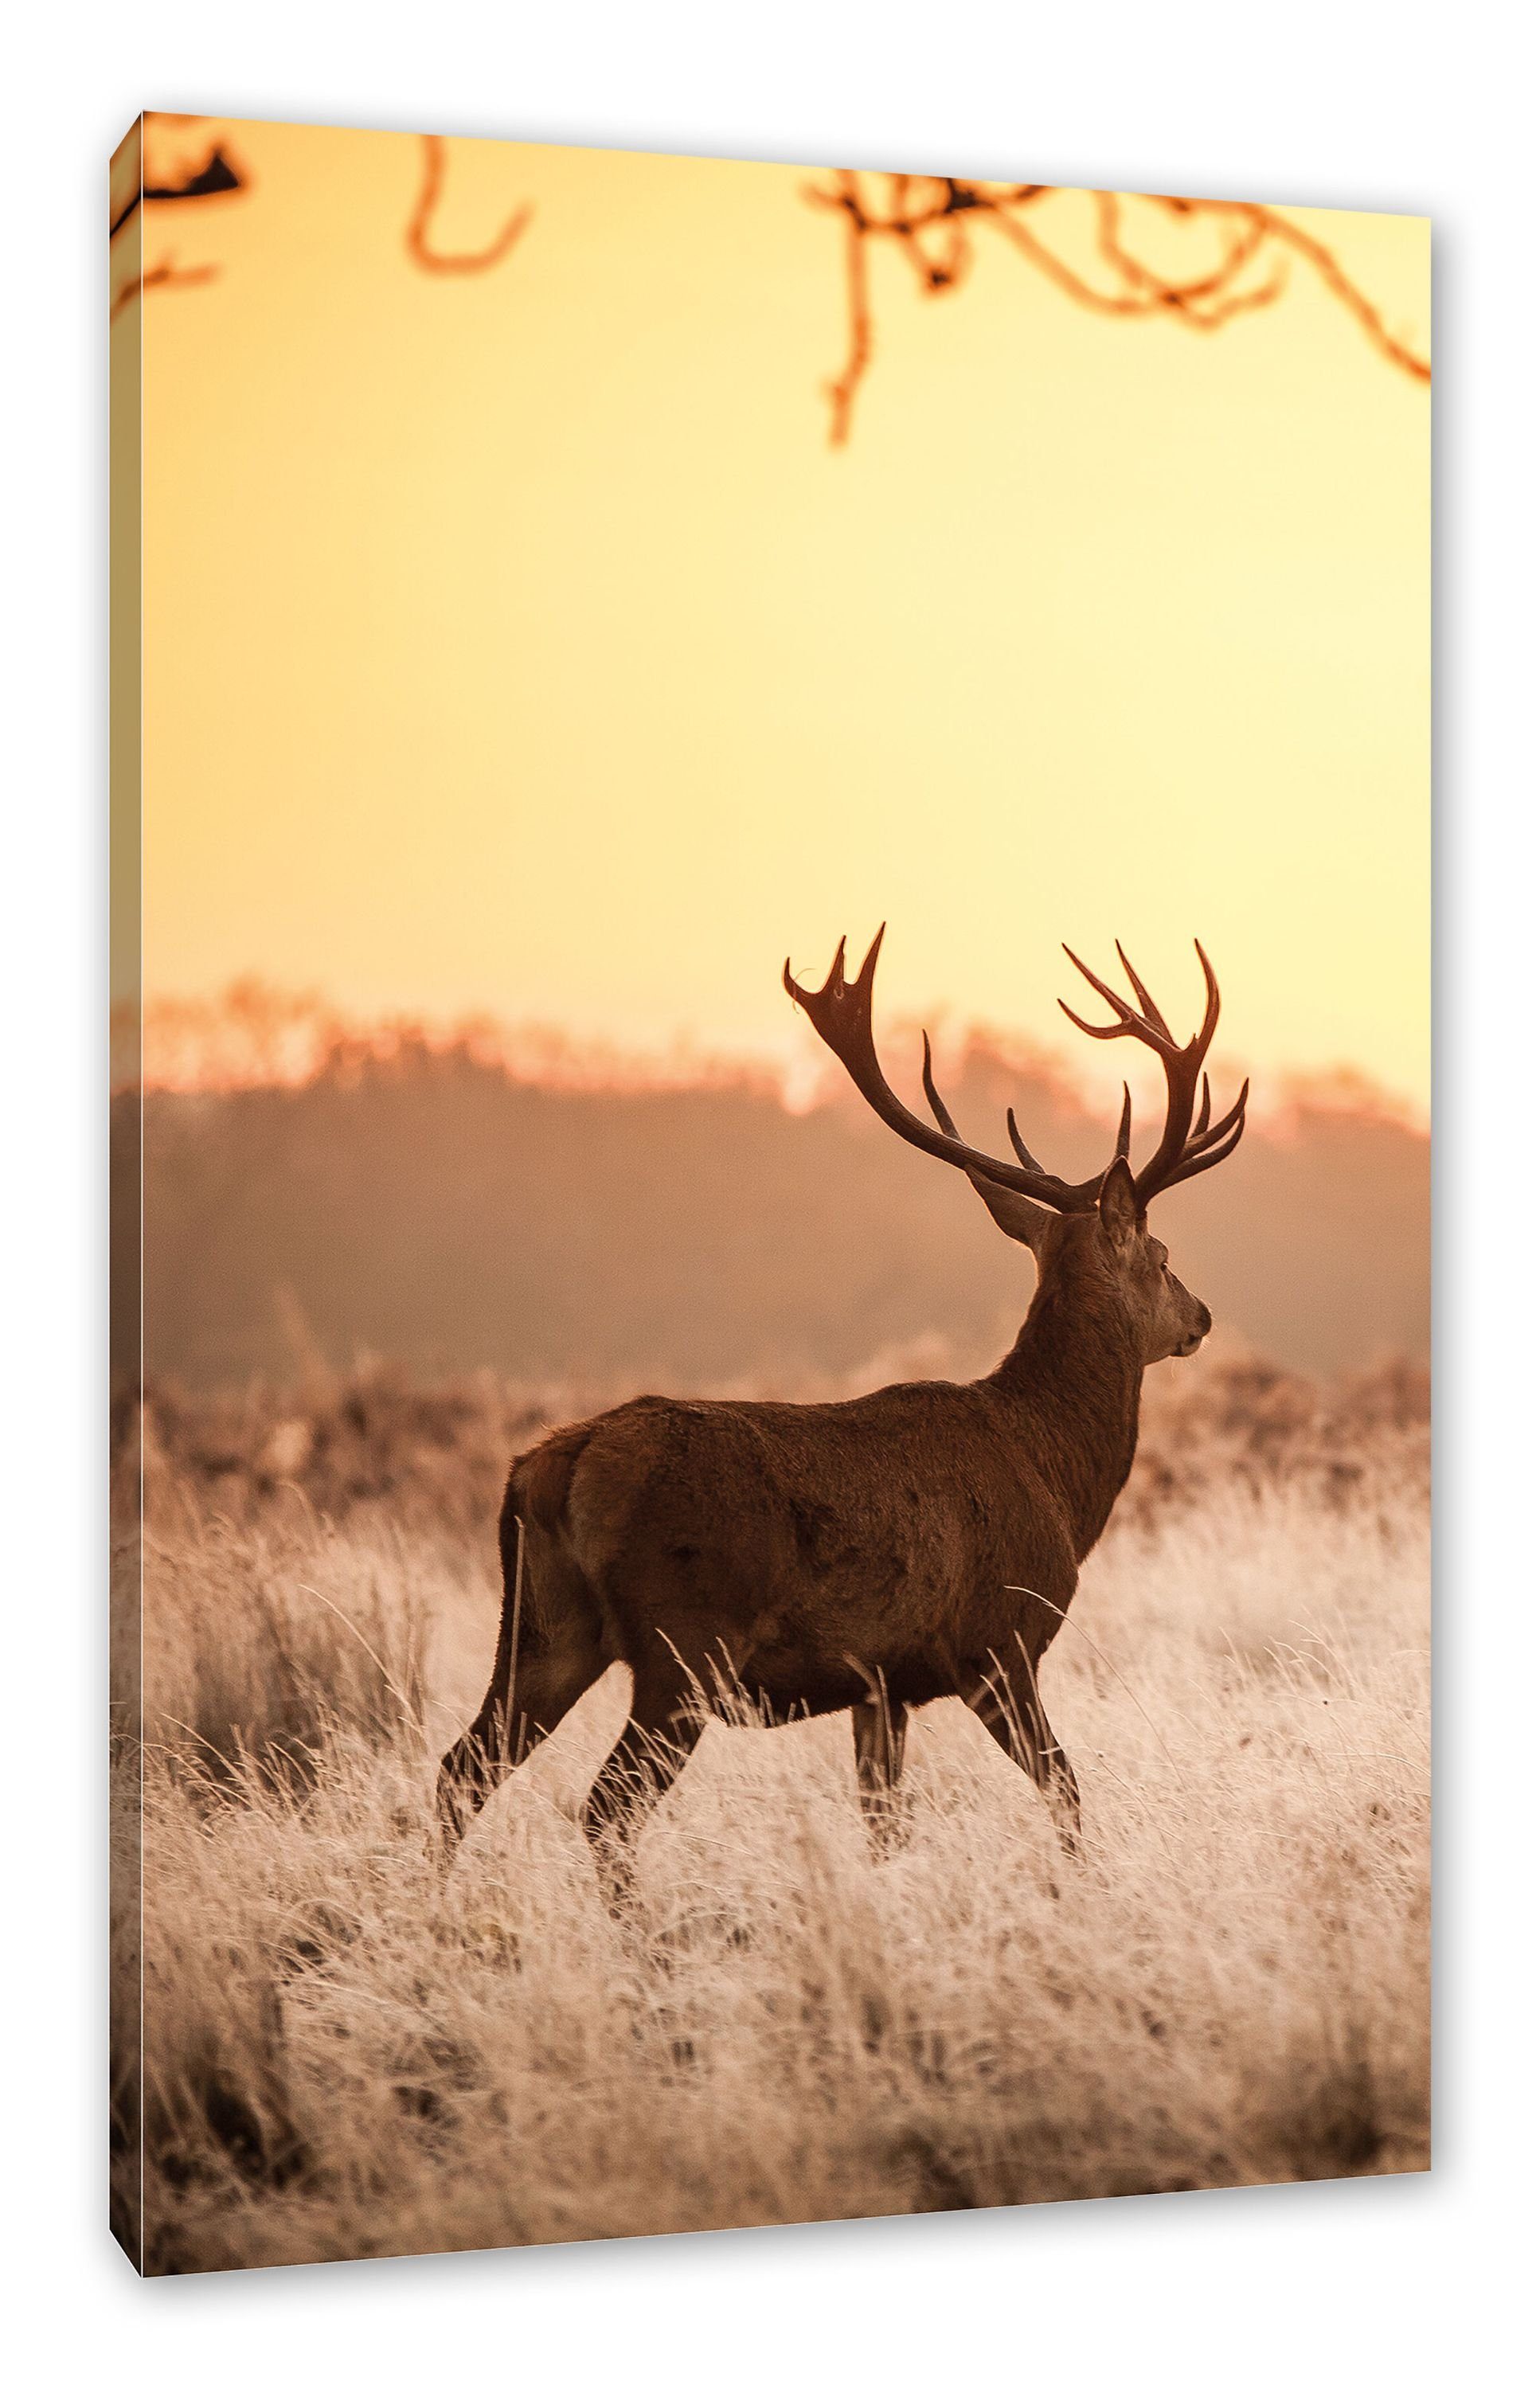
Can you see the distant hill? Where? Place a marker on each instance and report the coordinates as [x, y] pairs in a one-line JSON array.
[[427, 1206]]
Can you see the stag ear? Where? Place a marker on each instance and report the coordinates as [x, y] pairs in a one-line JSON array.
[[1118, 1202], [1016, 1217]]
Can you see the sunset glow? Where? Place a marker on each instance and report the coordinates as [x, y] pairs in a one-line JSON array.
[[517, 645]]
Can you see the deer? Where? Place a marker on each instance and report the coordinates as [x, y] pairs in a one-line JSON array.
[[872, 1554]]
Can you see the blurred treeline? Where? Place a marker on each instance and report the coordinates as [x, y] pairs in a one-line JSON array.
[[426, 1204]]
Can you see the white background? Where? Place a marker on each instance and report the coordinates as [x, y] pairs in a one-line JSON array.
[[1352, 105]]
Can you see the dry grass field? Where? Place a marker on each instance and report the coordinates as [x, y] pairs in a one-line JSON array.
[[347, 2054]]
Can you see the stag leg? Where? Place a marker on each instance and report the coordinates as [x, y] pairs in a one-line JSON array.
[[541, 1669], [1010, 1704], [504, 1730], [880, 1731], [646, 1761]]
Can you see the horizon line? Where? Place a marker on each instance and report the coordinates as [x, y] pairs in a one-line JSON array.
[[252, 1033]]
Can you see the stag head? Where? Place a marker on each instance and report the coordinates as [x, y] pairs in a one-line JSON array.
[[1096, 1230]]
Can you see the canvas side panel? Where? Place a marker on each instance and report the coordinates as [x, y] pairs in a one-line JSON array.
[[125, 1346]]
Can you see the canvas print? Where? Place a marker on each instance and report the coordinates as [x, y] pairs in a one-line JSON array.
[[770, 955]]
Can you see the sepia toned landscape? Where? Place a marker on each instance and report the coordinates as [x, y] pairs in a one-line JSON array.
[[558, 594], [350, 2049], [350, 2054]]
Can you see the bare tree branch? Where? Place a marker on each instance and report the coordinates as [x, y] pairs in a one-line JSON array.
[[930, 219], [167, 274], [214, 178], [464, 261], [1352, 298]]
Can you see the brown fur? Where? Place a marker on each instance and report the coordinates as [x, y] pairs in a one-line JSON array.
[[870, 1554]]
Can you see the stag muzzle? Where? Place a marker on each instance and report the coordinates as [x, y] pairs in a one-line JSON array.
[[1201, 1326]]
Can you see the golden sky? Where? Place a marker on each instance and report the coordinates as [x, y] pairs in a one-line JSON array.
[[515, 643]]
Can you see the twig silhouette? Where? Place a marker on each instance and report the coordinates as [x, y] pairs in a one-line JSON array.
[[419, 245], [217, 177], [167, 274], [931, 220]]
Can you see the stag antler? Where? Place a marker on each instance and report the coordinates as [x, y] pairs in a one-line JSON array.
[[841, 1011], [1184, 1149]]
